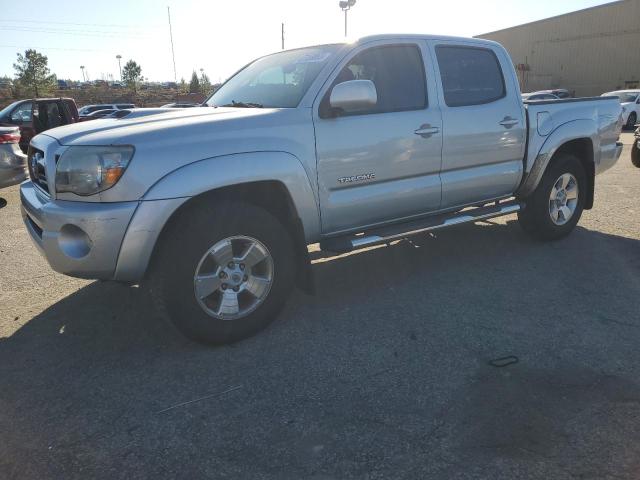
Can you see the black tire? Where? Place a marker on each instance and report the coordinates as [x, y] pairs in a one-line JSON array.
[[171, 281], [535, 218], [631, 121], [635, 153]]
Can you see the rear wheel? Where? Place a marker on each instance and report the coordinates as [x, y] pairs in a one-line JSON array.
[[223, 272], [554, 208]]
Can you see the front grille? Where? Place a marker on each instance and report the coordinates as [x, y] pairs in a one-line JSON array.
[[37, 170]]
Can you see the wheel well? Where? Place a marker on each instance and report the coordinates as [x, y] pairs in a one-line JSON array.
[[581, 148], [274, 197]]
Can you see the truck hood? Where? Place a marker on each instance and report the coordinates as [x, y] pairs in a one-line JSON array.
[[144, 122]]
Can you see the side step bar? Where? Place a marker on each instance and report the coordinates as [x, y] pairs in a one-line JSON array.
[[388, 234]]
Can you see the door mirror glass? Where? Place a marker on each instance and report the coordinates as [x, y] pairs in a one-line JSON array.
[[353, 95]]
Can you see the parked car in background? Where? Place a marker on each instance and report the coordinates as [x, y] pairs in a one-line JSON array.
[[558, 92], [530, 97], [63, 85], [630, 101], [87, 109], [13, 162], [180, 105], [213, 208], [37, 115], [100, 114]]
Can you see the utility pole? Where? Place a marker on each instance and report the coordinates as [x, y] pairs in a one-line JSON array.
[[345, 6], [173, 55], [282, 31], [119, 66], [82, 68]]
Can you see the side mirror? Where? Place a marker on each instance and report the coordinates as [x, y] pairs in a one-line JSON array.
[[353, 95]]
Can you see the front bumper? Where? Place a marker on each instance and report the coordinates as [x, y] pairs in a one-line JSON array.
[[104, 241], [80, 239]]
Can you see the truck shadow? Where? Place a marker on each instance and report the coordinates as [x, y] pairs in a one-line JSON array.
[[88, 376]]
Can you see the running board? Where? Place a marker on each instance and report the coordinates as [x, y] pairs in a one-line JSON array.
[[388, 234]]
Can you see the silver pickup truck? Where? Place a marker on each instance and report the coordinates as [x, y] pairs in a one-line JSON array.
[[345, 145]]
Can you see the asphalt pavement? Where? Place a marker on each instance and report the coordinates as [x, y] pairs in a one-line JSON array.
[[474, 353]]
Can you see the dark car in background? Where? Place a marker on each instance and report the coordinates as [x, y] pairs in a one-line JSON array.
[[558, 92], [13, 162], [37, 115], [530, 97]]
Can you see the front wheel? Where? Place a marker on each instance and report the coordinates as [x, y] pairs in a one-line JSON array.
[[631, 121], [223, 272], [554, 208]]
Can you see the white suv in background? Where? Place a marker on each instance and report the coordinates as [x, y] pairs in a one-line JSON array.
[[87, 109], [630, 101]]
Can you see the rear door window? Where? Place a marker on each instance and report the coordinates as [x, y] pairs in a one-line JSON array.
[[470, 75]]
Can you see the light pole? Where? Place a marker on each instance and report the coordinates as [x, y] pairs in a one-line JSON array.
[[82, 68], [119, 66], [345, 6]]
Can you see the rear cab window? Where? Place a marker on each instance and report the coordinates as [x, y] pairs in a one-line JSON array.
[[470, 75]]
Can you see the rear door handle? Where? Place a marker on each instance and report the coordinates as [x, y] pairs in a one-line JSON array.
[[508, 122], [425, 131]]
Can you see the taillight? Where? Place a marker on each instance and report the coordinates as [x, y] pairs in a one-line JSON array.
[[9, 137]]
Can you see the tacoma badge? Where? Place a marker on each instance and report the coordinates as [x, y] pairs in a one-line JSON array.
[[357, 178]]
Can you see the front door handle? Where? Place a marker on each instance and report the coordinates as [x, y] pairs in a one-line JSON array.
[[508, 122], [426, 130]]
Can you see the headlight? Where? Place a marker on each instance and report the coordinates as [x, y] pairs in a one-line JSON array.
[[89, 170]]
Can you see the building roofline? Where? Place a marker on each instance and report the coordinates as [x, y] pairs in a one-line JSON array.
[[604, 5]]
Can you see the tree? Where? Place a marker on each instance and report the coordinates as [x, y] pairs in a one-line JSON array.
[[194, 85], [132, 74], [205, 83], [32, 73]]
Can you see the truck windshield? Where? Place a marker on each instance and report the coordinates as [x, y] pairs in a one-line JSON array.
[[279, 80]]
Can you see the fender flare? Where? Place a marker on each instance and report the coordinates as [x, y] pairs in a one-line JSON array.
[[169, 193], [574, 130], [227, 170]]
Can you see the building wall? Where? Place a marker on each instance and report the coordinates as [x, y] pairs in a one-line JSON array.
[[589, 52]]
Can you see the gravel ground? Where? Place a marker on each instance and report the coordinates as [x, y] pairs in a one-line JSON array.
[[385, 373]]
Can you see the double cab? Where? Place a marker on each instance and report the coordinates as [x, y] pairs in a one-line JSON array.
[[345, 145]]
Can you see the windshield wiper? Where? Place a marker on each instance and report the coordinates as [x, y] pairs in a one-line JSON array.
[[242, 104]]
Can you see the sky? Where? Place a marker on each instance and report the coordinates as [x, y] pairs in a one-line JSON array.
[[222, 36]]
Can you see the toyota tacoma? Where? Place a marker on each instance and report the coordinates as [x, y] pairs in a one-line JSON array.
[[345, 145]]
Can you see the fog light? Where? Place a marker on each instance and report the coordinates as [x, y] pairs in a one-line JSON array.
[[73, 241]]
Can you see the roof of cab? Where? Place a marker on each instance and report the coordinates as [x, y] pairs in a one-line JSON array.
[[416, 36]]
